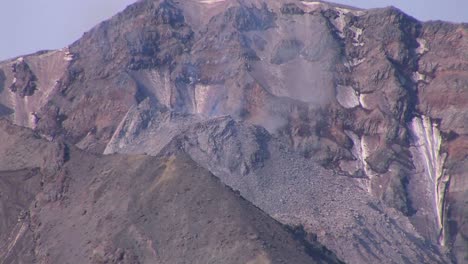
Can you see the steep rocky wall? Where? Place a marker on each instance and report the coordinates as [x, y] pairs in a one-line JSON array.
[[442, 97], [363, 93], [281, 182]]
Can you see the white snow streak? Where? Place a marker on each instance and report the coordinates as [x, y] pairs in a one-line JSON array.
[[209, 2], [422, 48], [428, 143]]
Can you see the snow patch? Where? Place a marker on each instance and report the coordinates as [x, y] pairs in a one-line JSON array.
[[201, 98], [312, 6], [209, 2], [417, 76], [361, 151], [428, 141], [422, 48], [68, 56], [340, 21], [353, 63], [365, 150], [351, 11], [346, 96], [362, 101], [357, 36], [311, 3]]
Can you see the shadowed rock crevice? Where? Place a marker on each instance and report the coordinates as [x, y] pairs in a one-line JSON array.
[[2, 80]]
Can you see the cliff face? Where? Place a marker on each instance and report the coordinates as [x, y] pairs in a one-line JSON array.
[[285, 101]]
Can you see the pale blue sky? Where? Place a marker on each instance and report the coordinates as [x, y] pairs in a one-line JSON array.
[[27, 26]]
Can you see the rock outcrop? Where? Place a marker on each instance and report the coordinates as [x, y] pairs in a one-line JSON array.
[[61, 205], [24, 80], [370, 103]]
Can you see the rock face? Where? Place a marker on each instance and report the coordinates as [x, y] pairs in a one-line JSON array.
[[285, 185], [61, 205], [24, 81], [349, 122]]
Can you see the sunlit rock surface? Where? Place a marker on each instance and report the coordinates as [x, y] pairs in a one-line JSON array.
[[284, 101]]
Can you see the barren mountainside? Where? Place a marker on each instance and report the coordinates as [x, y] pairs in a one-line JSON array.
[[249, 131], [61, 205]]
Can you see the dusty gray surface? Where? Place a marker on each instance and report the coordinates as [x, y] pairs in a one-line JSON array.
[[290, 188], [374, 96], [131, 209]]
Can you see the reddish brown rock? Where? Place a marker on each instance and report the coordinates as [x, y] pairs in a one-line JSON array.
[[373, 95]]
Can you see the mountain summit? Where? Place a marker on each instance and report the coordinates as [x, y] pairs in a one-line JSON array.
[[249, 131]]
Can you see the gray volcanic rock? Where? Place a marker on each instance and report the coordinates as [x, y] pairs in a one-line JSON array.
[[83, 208], [285, 185], [372, 97]]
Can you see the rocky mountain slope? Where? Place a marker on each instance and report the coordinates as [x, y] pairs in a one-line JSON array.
[[61, 205], [349, 122], [285, 185]]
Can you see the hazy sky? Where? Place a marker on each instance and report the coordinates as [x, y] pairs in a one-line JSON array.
[[27, 26]]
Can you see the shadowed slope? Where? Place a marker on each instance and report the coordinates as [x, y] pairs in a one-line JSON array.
[[131, 209]]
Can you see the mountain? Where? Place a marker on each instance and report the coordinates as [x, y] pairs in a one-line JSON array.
[[62, 205], [347, 123]]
